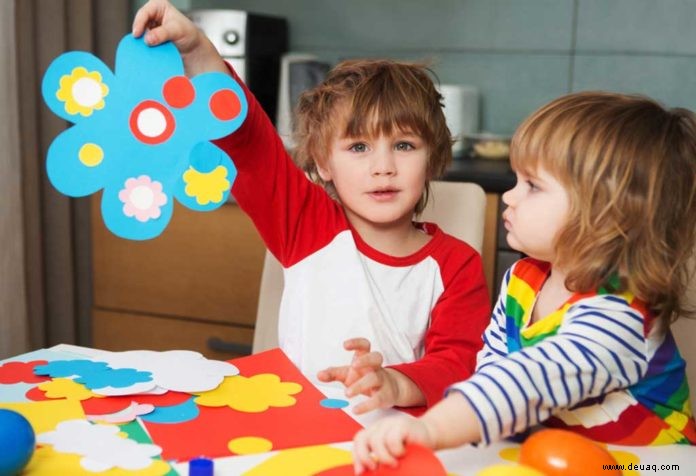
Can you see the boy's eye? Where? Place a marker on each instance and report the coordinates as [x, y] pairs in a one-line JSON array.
[[404, 146], [358, 147]]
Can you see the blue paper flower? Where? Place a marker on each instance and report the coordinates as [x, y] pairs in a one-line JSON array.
[[141, 134]]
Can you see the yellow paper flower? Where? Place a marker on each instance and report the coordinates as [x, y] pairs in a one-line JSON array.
[[66, 388], [252, 395], [206, 187], [82, 91]]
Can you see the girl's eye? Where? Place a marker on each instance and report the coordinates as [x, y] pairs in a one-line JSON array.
[[404, 146], [532, 186], [358, 147]]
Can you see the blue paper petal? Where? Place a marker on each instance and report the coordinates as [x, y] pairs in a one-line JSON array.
[[144, 69], [64, 66], [129, 227], [205, 157]]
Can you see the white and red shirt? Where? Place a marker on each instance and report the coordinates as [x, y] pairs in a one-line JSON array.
[[425, 312]]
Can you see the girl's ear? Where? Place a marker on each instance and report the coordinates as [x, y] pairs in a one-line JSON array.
[[324, 173]]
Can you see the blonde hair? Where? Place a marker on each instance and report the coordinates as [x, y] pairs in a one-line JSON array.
[[377, 97], [629, 166]]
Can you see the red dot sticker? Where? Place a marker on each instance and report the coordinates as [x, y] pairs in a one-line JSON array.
[[151, 122], [225, 105], [178, 92]]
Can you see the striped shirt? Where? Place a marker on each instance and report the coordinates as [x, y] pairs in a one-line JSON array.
[[599, 365]]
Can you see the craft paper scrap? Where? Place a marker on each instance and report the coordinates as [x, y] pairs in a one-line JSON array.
[[45, 416], [142, 134], [312, 460], [47, 462], [140, 371], [251, 394], [176, 370], [100, 446], [304, 423], [124, 416], [305, 461]]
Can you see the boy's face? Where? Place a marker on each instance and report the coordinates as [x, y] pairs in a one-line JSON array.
[[537, 209], [379, 180]]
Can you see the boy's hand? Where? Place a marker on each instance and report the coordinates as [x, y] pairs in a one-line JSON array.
[[365, 375], [159, 21], [385, 441]]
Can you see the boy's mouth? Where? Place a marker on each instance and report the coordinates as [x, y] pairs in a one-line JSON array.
[[383, 194]]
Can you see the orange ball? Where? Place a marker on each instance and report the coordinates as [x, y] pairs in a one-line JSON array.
[[564, 453]]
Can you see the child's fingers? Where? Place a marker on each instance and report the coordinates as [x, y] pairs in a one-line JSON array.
[[151, 11], [357, 344], [333, 374], [361, 453], [372, 360], [368, 405], [364, 385]]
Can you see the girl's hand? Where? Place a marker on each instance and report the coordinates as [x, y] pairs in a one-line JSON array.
[[159, 21], [365, 375], [385, 441]]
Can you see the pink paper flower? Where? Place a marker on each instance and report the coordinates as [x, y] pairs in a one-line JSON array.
[[142, 198]]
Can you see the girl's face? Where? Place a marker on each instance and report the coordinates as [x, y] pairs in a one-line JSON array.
[[537, 209], [379, 180]]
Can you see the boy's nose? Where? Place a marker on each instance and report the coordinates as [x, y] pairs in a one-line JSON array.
[[383, 164]]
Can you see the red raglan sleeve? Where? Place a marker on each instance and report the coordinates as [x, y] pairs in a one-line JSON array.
[[457, 322], [294, 216]]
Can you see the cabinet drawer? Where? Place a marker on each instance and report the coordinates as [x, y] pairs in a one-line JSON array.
[[118, 331], [203, 266]]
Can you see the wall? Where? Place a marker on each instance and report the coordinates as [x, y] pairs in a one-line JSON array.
[[520, 53]]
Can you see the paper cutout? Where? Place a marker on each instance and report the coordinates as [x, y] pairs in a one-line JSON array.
[[334, 403], [209, 434], [98, 376], [142, 134], [20, 372], [416, 460], [303, 461], [17, 392], [252, 394], [47, 462], [45, 416], [100, 446], [124, 416], [176, 370], [247, 445], [139, 371], [173, 414], [65, 388]]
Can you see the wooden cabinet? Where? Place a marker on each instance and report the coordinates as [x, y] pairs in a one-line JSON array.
[[496, 253], [194, 287]]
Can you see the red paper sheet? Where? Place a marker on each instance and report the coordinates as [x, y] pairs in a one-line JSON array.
[[303, 424]]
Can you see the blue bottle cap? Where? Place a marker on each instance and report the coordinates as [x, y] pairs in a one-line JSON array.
[[201, 467]]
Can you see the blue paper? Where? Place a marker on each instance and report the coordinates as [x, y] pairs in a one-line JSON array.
[[141, 134], [93, 375]]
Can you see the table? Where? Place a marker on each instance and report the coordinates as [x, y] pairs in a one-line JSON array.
[[461, 461]]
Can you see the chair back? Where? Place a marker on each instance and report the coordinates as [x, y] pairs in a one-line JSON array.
[[458, 208]]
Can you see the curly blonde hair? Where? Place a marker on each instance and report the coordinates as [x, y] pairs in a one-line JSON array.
[[629, 167], [372, 97]]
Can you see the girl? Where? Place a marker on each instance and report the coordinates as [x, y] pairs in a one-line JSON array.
[[356, 266], [604, 207]]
